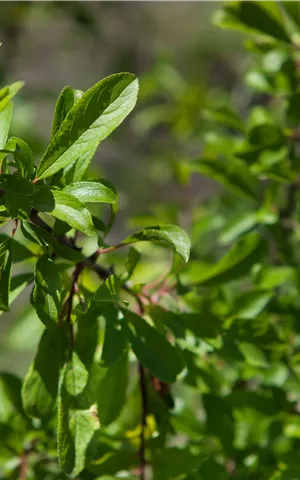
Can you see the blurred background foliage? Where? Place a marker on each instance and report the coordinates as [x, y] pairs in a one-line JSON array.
[[183, 62], [237, 408]]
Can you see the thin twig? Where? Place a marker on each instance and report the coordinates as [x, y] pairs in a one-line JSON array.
[[142, 450], [14, 228], [69, 301]]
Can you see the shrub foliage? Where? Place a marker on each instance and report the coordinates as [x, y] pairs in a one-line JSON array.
[[193, 373]]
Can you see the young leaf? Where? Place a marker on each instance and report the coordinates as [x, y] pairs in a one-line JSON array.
[[65, 207], [152, 349], [167, 235], [47, 291], [23, 157], [40, 387], [8, 93], [65, 102], [5, 273], [94, 116], [5, 118], [91, 192], [75, 171], [77, 418]]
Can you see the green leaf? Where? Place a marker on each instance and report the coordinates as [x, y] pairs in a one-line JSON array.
[[94, 116], [87, 337], [75, 171], [47, 292], [257, 16], [40, 387], [239, 225], [230, 172], [23, 157], [167, 235], [77, 418], [272, 277], [109, 291], [254, 356], [65, 207], [115, 338], [108, 387], [152, 349], [226, 117], [219, 420], [235, 264], [65, 102], [91, 192], [250, 304], [38, 235], [16, 184], [293, 11], [8, 93], [173, 462], [10, 391], [19, 251], [18, 283], [132, 261], [75, 376], [18, 205], [5, 273], [5, 118]]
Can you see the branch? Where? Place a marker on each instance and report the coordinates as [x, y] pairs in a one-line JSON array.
[[69, 302], [23, 466]]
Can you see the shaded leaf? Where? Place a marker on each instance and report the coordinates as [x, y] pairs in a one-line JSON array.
[[230, 172], [109, 291], [108, 387], [38, 235], [23, 157], [40, 387], [152, 349], [254, 16], [236, 263], [47, 292], [5, 273], [16, 184]]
